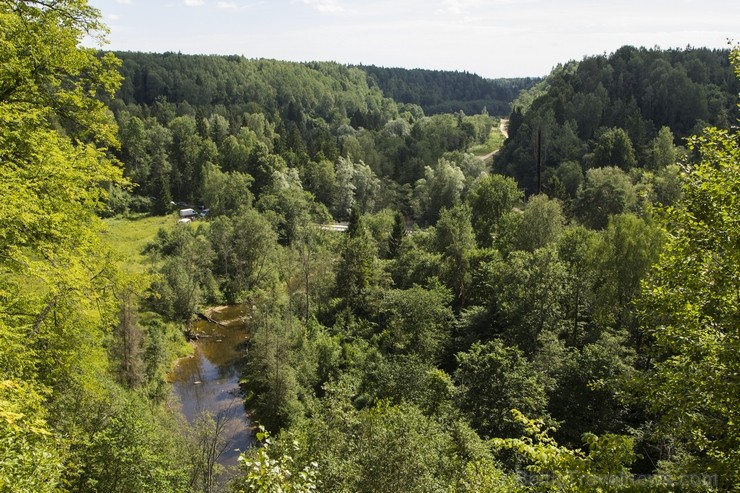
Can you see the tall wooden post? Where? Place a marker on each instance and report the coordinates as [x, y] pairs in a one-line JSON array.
[[539, 160]]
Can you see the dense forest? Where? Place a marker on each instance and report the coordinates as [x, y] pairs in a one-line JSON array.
[[438, 91], [620, 110], [235, 82], [260, 117], [564, 318]]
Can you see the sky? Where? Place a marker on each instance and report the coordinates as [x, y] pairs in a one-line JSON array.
[[492, 38]]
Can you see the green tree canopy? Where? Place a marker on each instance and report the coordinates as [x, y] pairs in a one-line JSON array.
[[494, 379], [56, 286], [692, 308], [492, 197], [614, 148], [606, 191]]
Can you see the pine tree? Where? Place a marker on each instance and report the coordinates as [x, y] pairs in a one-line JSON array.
[[396, 237]]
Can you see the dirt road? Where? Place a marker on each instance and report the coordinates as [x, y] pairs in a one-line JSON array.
[[503, 127]]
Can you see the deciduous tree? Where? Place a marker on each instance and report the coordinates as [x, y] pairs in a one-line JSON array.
[[692, 308], [491, 198], [493, 379], [54, 134]]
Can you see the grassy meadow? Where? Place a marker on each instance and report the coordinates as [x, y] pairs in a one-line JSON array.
[[127, 237], [495, 142]]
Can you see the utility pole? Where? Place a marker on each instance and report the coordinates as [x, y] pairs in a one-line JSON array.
[[539, 160]]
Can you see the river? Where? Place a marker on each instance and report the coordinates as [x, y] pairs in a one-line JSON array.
[[208, 381]]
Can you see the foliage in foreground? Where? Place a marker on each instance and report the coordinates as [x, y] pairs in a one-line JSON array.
[[69, 419], [692, 306]]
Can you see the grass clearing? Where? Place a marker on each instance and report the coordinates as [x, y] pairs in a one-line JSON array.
[[127, 237], [495, 142]]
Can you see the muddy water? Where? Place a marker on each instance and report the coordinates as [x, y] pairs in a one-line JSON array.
[[209, 380]]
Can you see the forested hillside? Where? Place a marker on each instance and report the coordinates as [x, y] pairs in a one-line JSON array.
[[239, 85], [179, 114], [621, 110], [437, 91], [233, 81], [465, 334]]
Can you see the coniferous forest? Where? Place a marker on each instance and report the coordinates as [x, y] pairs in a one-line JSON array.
[[537, 289]]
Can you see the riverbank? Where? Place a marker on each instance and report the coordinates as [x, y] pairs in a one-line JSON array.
[[207, 382]]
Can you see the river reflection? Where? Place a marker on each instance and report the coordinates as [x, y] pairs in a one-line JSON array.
[[209, 380]]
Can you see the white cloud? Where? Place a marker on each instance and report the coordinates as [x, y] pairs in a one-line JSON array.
[[325, 6], [193, 3], [450, 7], [125, 2], [113, 17], [226, 5], [457, 7]]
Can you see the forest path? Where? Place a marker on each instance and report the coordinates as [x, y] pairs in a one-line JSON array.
[[503, 127]]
